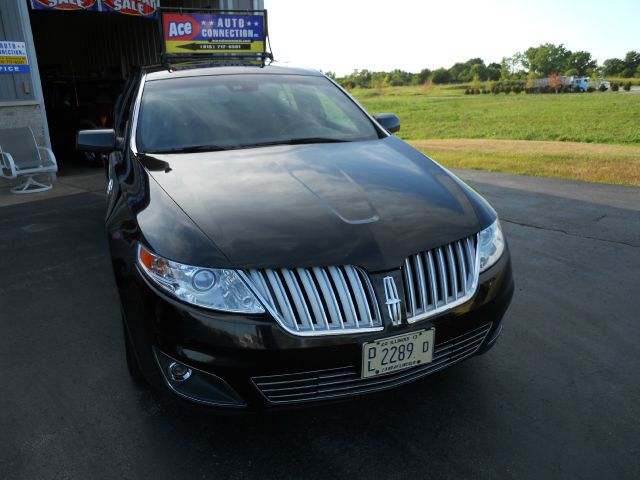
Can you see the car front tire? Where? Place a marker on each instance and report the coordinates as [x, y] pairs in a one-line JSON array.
[[132, 361]]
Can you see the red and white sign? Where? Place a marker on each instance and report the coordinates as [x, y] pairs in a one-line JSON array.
[[138, 8], [65, 4]]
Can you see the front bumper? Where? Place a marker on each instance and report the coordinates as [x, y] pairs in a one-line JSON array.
[[251, 362]]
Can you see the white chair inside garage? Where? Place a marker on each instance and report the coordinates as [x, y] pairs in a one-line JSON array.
[[21, 157]]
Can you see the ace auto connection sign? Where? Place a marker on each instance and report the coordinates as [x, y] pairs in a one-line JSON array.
[[211, 33], [13, 57]]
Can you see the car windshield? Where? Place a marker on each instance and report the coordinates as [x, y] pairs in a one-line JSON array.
[[221, 112]]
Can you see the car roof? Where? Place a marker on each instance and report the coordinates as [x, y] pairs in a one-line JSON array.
[[200, 69]]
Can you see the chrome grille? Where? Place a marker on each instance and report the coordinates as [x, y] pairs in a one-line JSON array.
[[319, 300], [346, 381], [440, 279]]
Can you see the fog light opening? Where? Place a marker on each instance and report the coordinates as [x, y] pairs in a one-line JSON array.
[[179, 372]]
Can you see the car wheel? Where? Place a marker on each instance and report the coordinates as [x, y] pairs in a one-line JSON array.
[[132, 361]]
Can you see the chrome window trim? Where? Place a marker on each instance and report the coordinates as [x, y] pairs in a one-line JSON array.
[[136, 112]]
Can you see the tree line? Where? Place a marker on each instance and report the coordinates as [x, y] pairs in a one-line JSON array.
[[535, 62]]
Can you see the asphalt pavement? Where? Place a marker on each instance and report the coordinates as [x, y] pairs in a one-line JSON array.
[[557, 397]]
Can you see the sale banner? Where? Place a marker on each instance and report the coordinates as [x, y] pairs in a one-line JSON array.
[[65, 5], [136, 8]]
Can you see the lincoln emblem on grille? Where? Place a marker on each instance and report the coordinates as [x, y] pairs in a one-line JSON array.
[[392, 300]]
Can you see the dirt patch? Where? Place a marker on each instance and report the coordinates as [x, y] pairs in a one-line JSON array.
[[589, 162], [527, 146]]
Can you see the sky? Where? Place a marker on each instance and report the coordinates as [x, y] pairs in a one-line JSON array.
[[341, 36]]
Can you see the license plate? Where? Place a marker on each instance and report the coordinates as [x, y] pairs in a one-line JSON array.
[[392, 354]]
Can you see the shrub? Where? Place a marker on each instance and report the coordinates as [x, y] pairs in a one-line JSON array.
[[590, 89], [602, 87], [475, 84], [467, 91], [531, 83], [615, 87], [555, 82], [627, 86], [566, 88], [507, 89], [517, 89]]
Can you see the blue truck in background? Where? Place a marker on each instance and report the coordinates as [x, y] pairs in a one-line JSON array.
[[583, 83], [575, 82]]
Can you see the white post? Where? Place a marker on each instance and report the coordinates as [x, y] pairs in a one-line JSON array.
[[23, 14]]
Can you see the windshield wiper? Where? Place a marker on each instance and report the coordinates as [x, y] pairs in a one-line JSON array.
[[297, 141], [303, 141], [191, 149], [219, 148]]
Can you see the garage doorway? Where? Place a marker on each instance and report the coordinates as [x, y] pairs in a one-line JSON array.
[[84, 59]]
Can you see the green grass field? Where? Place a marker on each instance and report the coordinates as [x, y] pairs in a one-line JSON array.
[[444, 112], [589, 117]]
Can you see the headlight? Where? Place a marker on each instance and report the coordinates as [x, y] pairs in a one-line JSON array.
[[214, 288], [490, 245]]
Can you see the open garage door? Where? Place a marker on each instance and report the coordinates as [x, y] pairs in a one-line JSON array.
[[84, 59]]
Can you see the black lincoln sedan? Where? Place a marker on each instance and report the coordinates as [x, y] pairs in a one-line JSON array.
[[274, 244]]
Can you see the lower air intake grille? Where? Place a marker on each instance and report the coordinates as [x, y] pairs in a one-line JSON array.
[[346, 381], [317, 301]]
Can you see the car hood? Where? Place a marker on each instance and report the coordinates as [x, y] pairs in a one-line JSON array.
[[360, 203]]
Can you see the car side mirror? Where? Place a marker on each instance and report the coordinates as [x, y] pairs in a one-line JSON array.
[[99, 140], [389, 121]]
